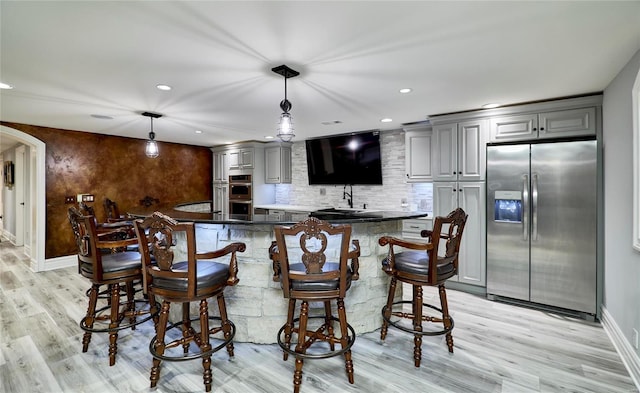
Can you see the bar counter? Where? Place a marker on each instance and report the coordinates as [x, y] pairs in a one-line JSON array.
[[256, 304]]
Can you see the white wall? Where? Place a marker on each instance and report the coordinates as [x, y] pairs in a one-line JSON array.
[[388, 196], [622, 263]]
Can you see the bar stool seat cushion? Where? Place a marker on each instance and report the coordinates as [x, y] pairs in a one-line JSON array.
[[210, 274], [116, 262], [417, 262]]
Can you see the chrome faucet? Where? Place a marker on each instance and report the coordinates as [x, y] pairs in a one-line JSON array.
[[349, 194]]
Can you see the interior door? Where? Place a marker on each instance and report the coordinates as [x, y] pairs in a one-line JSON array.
[[20, 195]]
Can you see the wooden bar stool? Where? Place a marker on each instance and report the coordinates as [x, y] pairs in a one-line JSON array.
[[103, 259], [195, 277], [422, 265], [310, 261]]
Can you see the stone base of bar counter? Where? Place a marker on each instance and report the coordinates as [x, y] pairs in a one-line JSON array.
[[256, 304]]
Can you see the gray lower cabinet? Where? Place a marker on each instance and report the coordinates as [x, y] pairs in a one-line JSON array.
[[220, 197], [470, 196]]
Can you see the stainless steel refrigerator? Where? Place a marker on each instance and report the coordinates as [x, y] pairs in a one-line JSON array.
[[541, 224]]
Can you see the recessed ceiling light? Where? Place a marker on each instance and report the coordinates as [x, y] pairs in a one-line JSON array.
[[5, 86], [105, 117], [163, 87], [386, 120], [198, 132], [489, 106], [268, 137], [406, 90]]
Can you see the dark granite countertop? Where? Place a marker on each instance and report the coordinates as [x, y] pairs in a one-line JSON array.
[[337, 216]]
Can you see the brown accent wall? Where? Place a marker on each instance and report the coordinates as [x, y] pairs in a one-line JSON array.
[[116, 168]]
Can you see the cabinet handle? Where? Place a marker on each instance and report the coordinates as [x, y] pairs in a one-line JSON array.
[[541, 128], [407, 175]]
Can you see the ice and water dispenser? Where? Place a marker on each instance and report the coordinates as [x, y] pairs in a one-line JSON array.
[[508, 206]]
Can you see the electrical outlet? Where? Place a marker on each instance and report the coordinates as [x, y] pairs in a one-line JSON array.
[[69, 199], [323, 191], [635, 338]]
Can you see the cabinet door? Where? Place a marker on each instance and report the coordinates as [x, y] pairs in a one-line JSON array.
[[445, 198], [445, 152], [418, 155], [471, 260], [234, 159], [220, 167], [220, 198], [472, 142], [285, 165], [246, 158], [514, 128], [574, 122], [272, 164], [277, 164]]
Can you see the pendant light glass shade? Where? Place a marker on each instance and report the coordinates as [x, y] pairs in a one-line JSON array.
[[285, 125], [151, 150]]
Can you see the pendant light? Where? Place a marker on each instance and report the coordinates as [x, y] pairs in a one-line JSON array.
[[151, 150], [285, 125]]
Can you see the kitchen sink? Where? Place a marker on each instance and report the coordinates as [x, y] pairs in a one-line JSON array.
[[333, 213]]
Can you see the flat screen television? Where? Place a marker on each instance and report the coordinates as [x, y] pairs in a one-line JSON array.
[[345, 159]]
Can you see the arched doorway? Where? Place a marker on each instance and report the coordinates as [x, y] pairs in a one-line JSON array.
[[35, 221]]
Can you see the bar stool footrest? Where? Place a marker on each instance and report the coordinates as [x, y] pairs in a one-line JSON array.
[[351, 339], [397, 325], [184, 357]]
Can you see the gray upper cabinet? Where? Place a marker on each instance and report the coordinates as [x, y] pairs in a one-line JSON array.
[[574, 122], [418, 147], [459, 152], [277, 160], [241, 159], [220, 166], [544, 125]]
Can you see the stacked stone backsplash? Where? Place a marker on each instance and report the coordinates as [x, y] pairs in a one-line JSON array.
[[394, 193]]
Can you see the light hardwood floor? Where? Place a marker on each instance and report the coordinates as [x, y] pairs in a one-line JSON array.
[[498, 348]]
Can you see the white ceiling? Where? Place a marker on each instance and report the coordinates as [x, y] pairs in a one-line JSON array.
[[70, 60]]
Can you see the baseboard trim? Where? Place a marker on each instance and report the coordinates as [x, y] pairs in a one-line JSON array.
[[629, 356], [60, 262]]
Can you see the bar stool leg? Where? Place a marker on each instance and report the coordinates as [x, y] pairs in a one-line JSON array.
[[288, 327], [204, 344], [344, 342], [91, 316], [158, 346], [186, 326], [300, 348], [328, 321], [446, 318], [131, 305], [115, 321], [417, 324], [226, 326], [387, 311]]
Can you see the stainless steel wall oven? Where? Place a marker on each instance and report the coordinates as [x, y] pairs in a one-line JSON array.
[[240, 196]]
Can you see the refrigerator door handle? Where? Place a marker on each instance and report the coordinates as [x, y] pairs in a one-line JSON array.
[[534, 211], [525, 202]]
